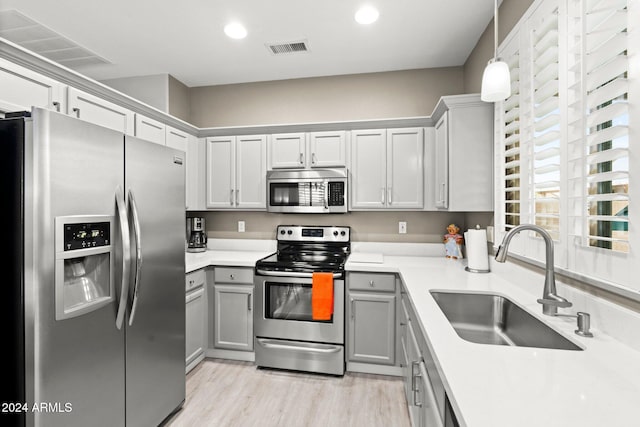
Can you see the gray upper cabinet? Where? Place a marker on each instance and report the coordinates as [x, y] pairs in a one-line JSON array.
[[96, 110], [22, 88], [236, 172], [307, 150], [387, 169], [463, 159]]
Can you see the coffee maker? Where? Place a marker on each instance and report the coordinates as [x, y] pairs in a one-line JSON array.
[[196, 235]]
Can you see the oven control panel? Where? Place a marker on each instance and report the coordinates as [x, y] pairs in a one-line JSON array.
[[309, 233]]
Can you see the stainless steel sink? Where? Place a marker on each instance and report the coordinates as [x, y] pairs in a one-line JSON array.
[[493, 319]]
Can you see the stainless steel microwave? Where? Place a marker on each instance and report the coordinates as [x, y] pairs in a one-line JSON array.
[[307, 191]]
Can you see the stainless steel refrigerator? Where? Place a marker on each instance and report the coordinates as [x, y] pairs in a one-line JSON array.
[[93, 296]]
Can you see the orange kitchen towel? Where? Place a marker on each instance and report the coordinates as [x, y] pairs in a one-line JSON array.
[[321, 296]]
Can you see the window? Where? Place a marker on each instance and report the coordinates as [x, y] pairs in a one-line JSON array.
[[565, 136]]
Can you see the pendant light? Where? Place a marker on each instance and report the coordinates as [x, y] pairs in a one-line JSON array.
[[496, 80]]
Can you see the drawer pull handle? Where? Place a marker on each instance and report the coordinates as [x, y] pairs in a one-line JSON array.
[[371, 283], [231, 277]]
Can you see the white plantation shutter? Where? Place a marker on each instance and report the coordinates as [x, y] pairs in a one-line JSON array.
[[512, 147], [578, 111], [545, 126], [600, 124]]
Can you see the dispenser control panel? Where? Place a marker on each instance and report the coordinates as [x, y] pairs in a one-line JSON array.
[[85, 235]]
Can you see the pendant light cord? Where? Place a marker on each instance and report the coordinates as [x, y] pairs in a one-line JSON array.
[[495, 31]]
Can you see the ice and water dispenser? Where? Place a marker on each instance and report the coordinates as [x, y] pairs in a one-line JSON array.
[[84, 279]]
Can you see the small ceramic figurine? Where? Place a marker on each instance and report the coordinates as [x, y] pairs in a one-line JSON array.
[[453, 242]]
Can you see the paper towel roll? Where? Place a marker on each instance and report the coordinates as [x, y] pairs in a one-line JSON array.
[[476, 245]]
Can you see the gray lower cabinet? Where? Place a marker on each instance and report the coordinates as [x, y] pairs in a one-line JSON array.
[[195, 320], [371, 311], [233, 309], [421, 387]]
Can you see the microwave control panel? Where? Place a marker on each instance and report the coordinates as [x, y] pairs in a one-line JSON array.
[[336, 193]]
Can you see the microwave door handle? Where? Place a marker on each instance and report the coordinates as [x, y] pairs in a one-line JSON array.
[[126, 256], [326, 195]]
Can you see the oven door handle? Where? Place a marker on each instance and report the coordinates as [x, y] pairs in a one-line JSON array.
[[315, 349], [291, 274]]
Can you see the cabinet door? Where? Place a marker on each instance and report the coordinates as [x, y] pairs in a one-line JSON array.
[[233, 329], [20, 89], [287, 150], [405, 168], [327, 149], [176, 138], [96, 110], [441, 163], [221, 172], [195, 173], [368, 169], [194, 320], [251, 184], [372, 337], [150, 130]]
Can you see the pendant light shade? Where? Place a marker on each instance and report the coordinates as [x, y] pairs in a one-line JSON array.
[[496, 80]]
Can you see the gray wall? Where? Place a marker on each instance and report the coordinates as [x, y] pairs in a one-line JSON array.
[[423, 227], [179, 100], [336, 98], [509, 14], [151, 90]]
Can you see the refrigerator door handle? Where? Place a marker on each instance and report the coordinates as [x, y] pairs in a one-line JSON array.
[[136, 232], [126, 256]]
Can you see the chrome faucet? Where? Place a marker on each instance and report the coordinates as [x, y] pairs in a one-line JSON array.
[[550, 301]]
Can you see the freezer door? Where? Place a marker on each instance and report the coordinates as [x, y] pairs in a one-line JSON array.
[[155, 336], [72, 170]]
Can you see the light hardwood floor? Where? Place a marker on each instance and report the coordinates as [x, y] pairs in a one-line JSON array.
[[230, 393]]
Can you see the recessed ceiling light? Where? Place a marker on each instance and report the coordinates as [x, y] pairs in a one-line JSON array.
[[235, 30], [367, 15]]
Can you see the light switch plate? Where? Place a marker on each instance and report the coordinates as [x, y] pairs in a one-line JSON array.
[[240, 226], [402, 227]]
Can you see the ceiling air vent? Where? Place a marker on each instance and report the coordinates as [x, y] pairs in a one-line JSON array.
[[287, 48], [24, 31]]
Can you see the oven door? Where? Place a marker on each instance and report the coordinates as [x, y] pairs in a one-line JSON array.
[[283, 309]]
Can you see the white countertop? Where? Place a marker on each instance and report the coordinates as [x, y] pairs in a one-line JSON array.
[[492, 385], [198, 260]]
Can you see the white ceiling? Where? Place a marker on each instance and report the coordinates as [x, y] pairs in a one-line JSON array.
[[186, 39]]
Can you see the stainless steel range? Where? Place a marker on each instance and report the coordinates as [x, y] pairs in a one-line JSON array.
[[287, 335]]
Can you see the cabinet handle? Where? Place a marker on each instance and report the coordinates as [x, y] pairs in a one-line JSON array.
[[231, 197], [249, 302], [313, 158], [237, 196], [231, 277], [403, 324], [353, 309], [382, 197], [77, 111], [442, 187], [389, 193], [414, 384], [371, 283], [56, 105], [302, 158]]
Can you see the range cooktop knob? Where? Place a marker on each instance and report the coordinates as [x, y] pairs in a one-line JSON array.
[[289, 232], [335, 233], [281, 231], [342, 233]]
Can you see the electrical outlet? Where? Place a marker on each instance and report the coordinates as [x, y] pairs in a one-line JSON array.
[[240, 226], [402, 227]]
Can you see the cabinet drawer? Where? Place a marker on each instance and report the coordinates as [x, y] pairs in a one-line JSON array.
[[195, 279], [233, 275], [372, 282]]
